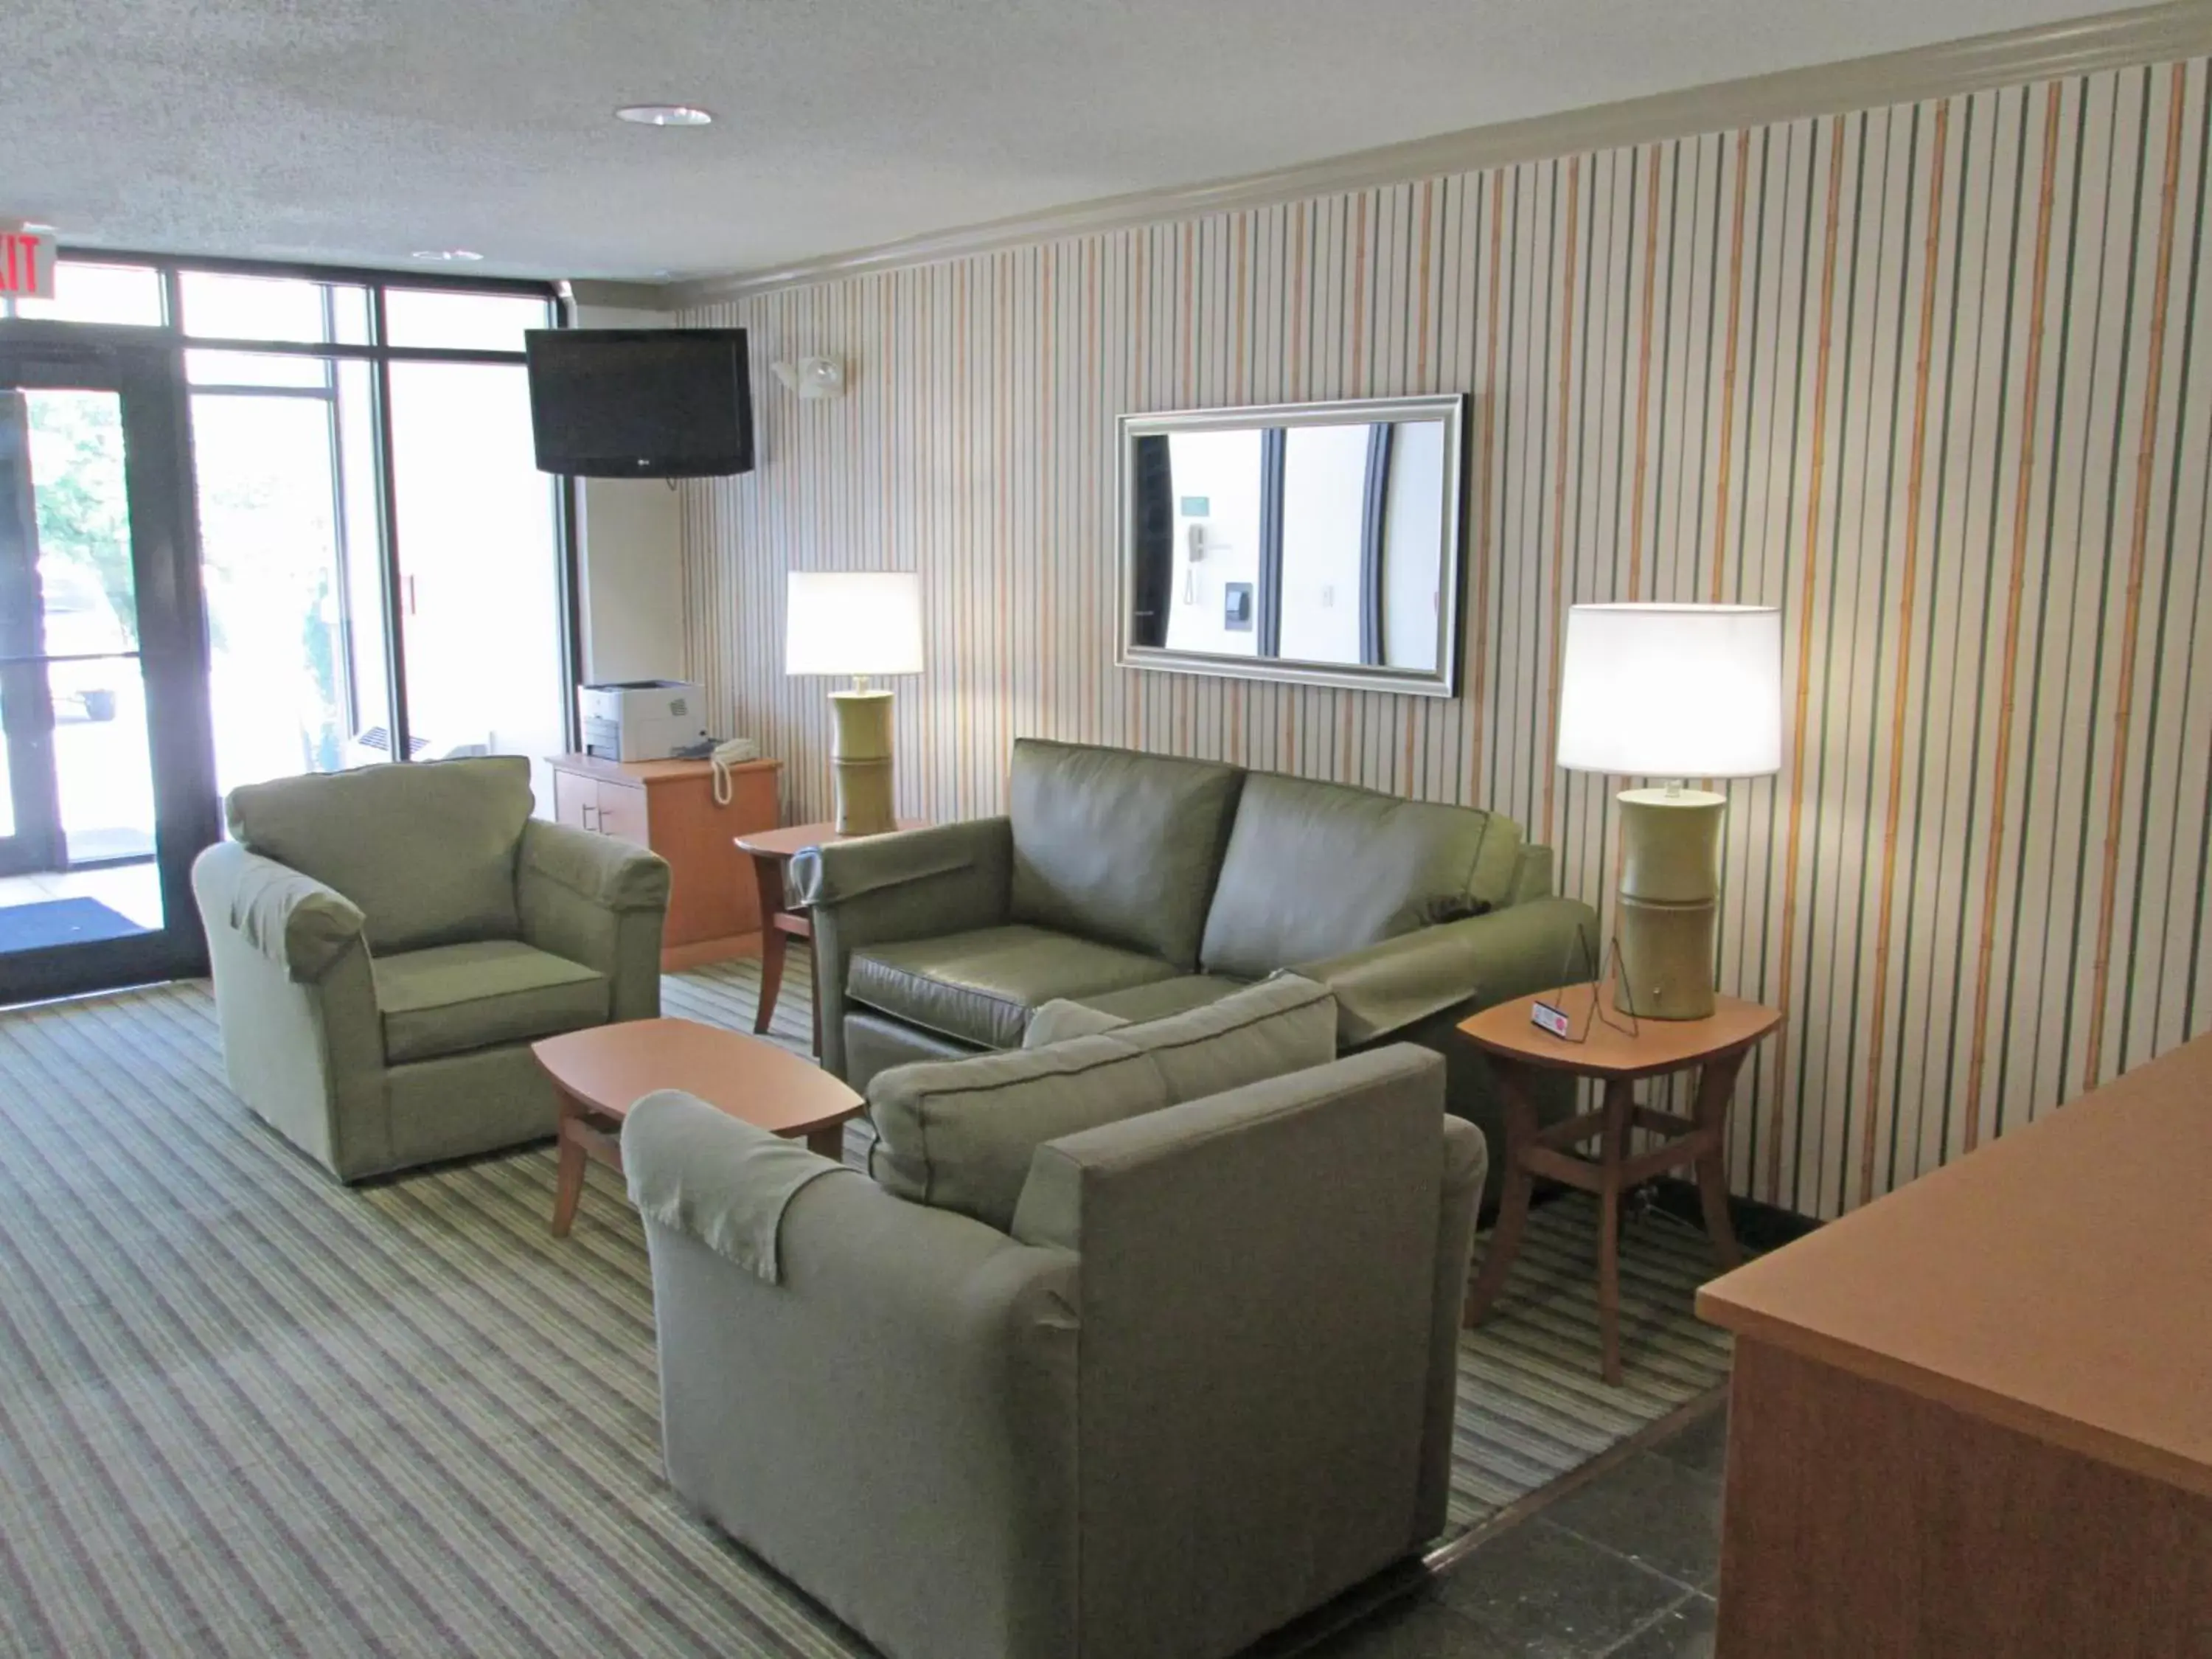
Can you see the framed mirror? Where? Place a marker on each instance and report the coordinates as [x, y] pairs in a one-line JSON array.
[[1318, 544]]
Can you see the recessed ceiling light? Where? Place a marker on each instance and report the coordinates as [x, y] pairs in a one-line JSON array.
[[666, 115], [446, 254]]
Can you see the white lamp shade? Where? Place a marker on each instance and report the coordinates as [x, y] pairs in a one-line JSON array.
[[853, 622], [1672, 690]]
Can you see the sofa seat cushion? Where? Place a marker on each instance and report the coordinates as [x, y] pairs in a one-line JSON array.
[[1116, 845], [982, 987], [960, 1134], [1314, 870], [427, 849], [454, 998]]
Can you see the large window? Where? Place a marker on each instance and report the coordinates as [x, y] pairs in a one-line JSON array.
[[383, 567]]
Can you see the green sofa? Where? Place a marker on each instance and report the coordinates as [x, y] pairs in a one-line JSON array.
[[387, 943], [1140, 885], [1154, 1386]]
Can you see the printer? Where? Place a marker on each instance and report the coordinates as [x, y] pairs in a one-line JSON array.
[[639, 720]]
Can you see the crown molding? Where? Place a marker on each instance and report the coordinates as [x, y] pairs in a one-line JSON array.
[[2156, 34]]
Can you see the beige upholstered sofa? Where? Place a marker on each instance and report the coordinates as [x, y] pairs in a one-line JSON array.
[[1140, 1342], [387, 944]]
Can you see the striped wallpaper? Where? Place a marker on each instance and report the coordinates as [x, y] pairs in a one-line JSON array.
[[1929, 378]]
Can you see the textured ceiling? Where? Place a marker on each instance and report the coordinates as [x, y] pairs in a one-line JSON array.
[[356, 131]]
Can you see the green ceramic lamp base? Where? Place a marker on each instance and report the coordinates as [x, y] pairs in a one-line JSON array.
[[1668, 902], [860, 759]]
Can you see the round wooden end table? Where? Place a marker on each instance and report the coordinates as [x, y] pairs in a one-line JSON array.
[[601, 1072], [1594, 1047]]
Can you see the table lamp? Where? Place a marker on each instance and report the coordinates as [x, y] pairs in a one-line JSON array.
[[1670, 692], [865, 624]]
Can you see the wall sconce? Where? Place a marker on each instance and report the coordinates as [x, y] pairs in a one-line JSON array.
[[813, 377]]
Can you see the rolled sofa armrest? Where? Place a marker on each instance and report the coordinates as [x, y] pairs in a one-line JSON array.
[[613, 874], [301, 925], [916, 884], [600, 902], [1486, 959], [713, 1178], [296, 997], [1532, 874], [910, 1365], [949, 877], [860, 1257]]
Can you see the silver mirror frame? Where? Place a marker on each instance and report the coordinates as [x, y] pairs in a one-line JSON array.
[[1442, 681]]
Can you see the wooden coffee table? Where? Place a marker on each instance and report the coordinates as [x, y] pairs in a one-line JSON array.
[[1715, 1045], [601, 1072]]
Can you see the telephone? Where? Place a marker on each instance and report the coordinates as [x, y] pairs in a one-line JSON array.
[[736, 752]]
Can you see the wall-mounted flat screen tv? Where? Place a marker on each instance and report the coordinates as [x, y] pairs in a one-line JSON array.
[[640, 403]]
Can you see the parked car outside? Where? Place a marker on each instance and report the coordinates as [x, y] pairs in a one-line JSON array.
[[81, 622]]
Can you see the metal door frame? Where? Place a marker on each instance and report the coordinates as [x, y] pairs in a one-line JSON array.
[[147, 377]]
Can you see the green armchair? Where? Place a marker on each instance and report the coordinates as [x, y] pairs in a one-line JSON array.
[[1142, 885], [387, 943], [1197, 1382]]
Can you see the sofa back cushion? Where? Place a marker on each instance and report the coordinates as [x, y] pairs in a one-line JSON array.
[[959, 1135], [1118, 846], [427, 849], [1314, 870]]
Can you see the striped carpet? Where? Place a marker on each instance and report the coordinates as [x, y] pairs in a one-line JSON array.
[[244, 1410]]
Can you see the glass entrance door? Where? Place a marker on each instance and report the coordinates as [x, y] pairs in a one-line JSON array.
[[106, 790]]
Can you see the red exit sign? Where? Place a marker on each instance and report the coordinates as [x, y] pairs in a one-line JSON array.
[[27, 265]]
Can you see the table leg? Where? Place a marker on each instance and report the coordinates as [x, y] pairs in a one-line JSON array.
[[828, 1143], [568, 1179], [1613, 1151], [1513, 1198], [767, 880], [1716, 1086]]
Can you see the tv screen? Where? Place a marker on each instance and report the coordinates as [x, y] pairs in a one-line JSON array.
[[643, 403]]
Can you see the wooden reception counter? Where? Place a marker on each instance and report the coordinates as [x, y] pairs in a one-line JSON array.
[[1975, 1417]]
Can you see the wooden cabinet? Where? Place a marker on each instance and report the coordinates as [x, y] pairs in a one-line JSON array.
[[713, 910], [575, 796], [626, 811], [1975, 1417]]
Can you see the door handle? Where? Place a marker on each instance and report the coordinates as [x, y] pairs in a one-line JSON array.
[[586, 813]]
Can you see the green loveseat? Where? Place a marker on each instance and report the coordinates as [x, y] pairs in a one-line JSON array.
[[1140, 885], [387, 943]]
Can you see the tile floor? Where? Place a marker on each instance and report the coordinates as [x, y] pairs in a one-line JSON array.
[[1623, 1566]]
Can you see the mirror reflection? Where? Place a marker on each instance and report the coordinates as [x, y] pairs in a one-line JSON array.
[[1311, 542]]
